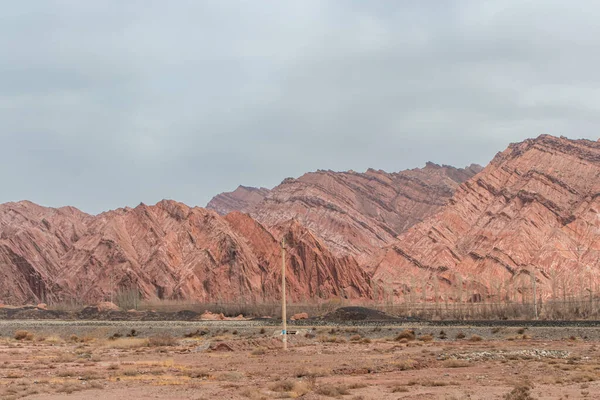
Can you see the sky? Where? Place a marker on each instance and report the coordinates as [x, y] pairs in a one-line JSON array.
[[111, 103]]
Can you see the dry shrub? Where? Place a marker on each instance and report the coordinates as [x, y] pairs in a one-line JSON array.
[[426, 338], [126, 343], [400, 389], [131, 372], [331, 339], [95, 385], [406, 334], [258, 352], [520, 392], [358, 385], [355, 338], [200, 373], [312, 372], [332, 390], [23, 335], [406, 365], [282, 386], [162, 340], [583, 377], [365, 340], [475, 338], [69, 388], [253, 394], [233, 376], [460, 335], [455, 364]]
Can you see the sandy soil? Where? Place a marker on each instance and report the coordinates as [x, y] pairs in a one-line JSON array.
[[346, 363]]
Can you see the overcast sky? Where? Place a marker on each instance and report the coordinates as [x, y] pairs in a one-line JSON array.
[[111, 103]]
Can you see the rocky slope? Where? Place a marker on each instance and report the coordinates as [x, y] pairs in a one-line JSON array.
[[242, 199], [357, 213], [533, 212], [166, 251]]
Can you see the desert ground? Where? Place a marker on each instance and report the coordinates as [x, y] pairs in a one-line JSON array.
[[243, 360]]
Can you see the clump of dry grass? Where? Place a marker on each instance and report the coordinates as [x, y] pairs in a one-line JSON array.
[[69, 388], [232, 376], [161, 340], [199, 373], [405, 334], [455, 364], [258, 352], [23, 335], [426, 338], [332, 390], [460, 335], [282, 386], [331, 339], [475, 338], [355, 338], [520, 392]]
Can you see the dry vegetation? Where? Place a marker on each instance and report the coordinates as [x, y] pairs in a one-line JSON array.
[[373, 363]]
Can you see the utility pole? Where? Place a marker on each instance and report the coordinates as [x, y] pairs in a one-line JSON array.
[[535, 312], [283, 305]]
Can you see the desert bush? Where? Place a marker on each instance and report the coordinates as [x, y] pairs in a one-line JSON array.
[[198, 373], [258, 352], [282, 386], [400, 389], [406, 334], [312, 372], [355, 338], [475, 338], [332, 390], [161, 340], [455, 364], [460, 335], [426, 338], [519, 392], [23, 335]]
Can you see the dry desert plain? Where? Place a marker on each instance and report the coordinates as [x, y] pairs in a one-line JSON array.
[[243, 360]]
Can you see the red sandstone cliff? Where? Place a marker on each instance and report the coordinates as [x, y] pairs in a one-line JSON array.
[[242, 199], [357, 213], [533, 211], [167, 251]]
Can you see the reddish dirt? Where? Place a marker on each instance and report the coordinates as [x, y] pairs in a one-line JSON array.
[[343, 365]]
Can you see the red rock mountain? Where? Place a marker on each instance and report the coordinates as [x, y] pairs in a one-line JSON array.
[[242, 199], [534, 211], [357, 213], [167, 251]]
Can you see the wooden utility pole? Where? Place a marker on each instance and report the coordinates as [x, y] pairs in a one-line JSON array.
[[283, 305], [535, 312]]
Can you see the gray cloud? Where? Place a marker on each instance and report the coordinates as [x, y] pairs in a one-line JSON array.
[[106, 104]]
